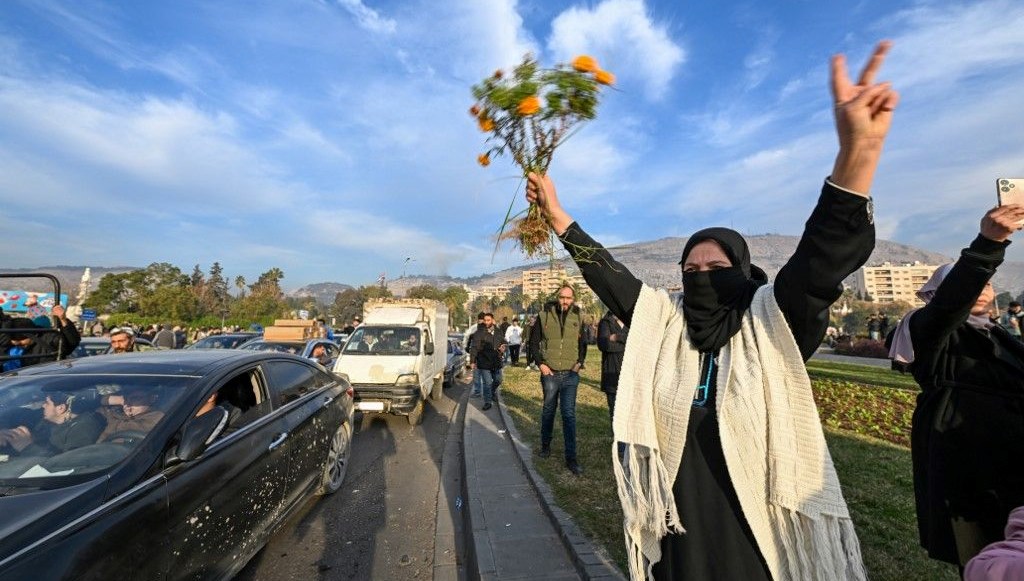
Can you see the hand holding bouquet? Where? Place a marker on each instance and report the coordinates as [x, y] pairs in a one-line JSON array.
[[527, 114]]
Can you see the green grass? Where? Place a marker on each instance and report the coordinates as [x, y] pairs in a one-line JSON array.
[[875, 474]]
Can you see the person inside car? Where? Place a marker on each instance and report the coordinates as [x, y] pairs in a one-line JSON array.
[[62, 428], [320, 355], [412, 344], [131, 412]]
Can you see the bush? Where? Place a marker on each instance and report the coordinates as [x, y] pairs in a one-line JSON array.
[[862, 348], [879, 412]]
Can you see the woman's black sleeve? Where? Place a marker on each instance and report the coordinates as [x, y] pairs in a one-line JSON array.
[[932, 325], [837, 240], [617, 288]]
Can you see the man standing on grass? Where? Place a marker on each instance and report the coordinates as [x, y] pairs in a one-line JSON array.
[[514, 337], [486, 356], [557, 342]]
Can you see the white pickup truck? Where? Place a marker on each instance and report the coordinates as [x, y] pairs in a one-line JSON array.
[[396, 357]]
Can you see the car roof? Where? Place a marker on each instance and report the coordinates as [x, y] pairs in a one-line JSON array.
[[161, 362]]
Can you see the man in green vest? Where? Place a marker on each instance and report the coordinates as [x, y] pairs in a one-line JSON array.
[[557, 341]]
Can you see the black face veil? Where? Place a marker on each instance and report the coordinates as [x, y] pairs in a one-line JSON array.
[[714, 301]]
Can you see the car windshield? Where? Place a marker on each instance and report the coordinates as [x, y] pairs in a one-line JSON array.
[[384, 341], [221, 341], [88, 348], [295, 347], [57, 430]]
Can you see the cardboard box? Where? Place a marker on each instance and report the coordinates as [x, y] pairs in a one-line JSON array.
[[293, 323], [277, 333]]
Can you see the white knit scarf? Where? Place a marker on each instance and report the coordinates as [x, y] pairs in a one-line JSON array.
[[771, 436]]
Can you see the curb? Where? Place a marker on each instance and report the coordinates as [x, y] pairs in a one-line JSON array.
[[590, 562], [453, 566]]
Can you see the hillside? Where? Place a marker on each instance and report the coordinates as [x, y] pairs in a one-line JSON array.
[[322, 292], [654, 262]]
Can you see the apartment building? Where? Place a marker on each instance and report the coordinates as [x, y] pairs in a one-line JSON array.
[[543, 282], [887, 282]]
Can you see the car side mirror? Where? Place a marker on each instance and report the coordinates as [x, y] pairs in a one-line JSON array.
[[428, 348], [198, 434]]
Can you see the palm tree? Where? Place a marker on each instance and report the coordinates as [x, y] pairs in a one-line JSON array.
[[240, 283]]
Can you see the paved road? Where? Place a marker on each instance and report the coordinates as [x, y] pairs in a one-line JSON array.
[[383, 523]]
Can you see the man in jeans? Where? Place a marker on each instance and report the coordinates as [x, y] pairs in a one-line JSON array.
[[485, 356], [557, 341]]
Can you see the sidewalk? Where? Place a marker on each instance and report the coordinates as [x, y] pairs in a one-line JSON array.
[[826, 354], [517, 530]]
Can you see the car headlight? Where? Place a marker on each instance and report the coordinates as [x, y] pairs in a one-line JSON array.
[[408, 379]]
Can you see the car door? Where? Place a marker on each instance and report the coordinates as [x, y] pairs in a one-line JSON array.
[[297, 389], [224, 504]]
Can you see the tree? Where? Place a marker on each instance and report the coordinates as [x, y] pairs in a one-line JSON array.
[[425, 291], [375, 292], [113, 295], [240, 285], [197, 279], [456, 297], [269, 283], [216, 296]]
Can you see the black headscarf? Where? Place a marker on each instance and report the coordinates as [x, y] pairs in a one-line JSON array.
[[714, 301]]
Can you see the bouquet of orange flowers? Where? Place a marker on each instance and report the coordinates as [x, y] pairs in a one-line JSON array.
[[527, 114]]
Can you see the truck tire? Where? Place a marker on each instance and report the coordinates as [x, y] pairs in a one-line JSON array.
[[416, 415], [437, 390]]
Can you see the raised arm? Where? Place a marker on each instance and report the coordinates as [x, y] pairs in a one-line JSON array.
[[863, 114], [839, 236], [958, 294], [617, 288]]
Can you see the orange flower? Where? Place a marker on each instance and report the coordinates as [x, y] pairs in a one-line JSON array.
[[498, 74], [474, 110], [529, 105], [585, 64], [486, 125], [604, 77], [484, 159]]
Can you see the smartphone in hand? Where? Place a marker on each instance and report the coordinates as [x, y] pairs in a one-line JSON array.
[[1010, 191]]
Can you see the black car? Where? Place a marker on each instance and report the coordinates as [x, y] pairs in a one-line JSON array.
[[237, 441], [223, 341]]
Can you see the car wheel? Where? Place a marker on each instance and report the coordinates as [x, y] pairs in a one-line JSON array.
[[416, 415], [337, 460]]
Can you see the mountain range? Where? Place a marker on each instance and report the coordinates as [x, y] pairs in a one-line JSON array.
[[654, 262]]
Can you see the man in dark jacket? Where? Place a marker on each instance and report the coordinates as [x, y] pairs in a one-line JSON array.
[[486, 355], [557, 342], [29, 348], [611, 340]]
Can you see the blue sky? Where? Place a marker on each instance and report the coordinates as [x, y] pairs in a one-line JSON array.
[[330, 137]]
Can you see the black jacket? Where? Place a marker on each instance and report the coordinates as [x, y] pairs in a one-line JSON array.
[[611, 351], [57, 342], [967, 435], [484, 348]]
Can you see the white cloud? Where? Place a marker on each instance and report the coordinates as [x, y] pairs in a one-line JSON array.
[[367, 17], [949, 43], [623, 36], [730, 125]]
